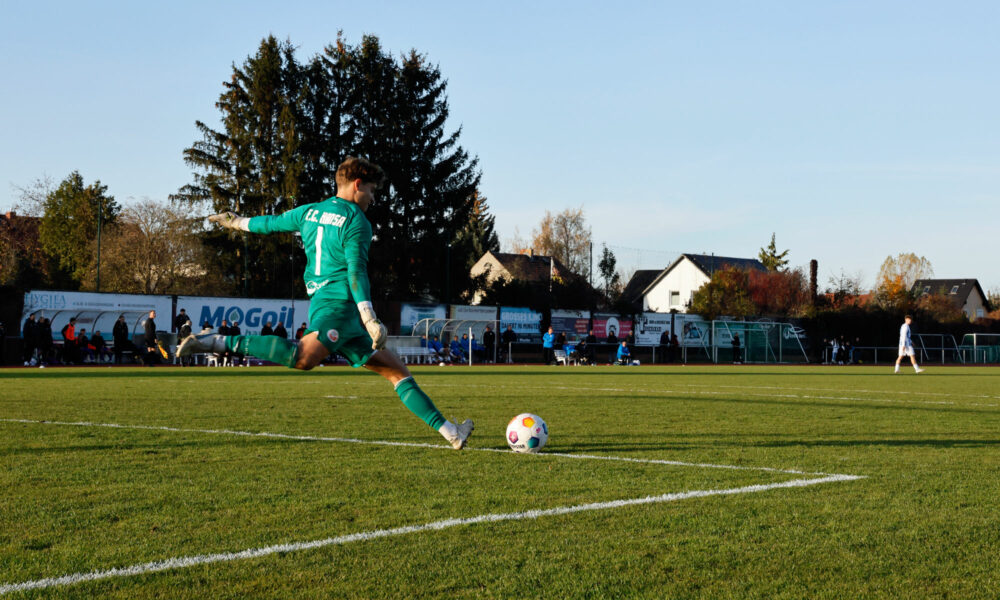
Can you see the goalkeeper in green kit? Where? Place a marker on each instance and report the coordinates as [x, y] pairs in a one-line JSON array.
[[336, 236]]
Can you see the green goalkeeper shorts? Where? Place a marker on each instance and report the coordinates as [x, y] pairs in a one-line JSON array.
[[339, 326]]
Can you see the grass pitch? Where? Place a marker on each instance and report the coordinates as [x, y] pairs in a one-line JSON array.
[[182, 478]]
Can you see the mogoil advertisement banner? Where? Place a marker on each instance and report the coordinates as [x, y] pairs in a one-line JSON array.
[[251, 314]]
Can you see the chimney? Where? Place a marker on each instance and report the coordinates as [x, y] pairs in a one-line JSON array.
[[531, 252]]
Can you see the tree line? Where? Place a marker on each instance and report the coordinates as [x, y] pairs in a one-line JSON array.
[[285, 125]]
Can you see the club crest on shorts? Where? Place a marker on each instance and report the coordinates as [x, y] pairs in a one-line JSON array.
[[333, 335]]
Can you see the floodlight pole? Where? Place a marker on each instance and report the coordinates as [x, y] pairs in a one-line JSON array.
[[100, 220]]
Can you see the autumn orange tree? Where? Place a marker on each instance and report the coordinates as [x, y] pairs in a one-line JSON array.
[[727, 293], [895, 280], [778, 293]]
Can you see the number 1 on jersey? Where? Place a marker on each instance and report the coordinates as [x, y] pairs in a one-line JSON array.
[[319, 250]]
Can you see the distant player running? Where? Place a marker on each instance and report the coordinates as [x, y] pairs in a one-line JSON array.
[[336, 236], [906, 345]]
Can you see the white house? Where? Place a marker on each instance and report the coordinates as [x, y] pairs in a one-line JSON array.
[[674, 287]]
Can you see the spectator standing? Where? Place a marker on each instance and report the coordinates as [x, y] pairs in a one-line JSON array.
[[675, 346], [624, 354], [180, 320], [69, 341], [149, 338], [588, 348], [508, 337], [630, 339], [234, 358], [665, 346], [119, 333], [737, 350], [46, 348], [560, 339], [280, 331], [3, 344], [301, 331], [29, 335], [267, 329], [612, 338], [548, 340], [224, 328], [182, 332], [490, 343]]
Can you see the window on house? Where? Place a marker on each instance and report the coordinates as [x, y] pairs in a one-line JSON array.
[[927, 289], [675, 298], [954, 289]]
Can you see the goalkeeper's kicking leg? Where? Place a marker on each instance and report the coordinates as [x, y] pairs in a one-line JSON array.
[[310, 351]]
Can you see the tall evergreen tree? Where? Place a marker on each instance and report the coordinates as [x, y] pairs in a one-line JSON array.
[[771, 258], [397, 116], [286, 127], [253, 166]]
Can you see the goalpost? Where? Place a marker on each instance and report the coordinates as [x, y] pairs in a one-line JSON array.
[[762, 342], [980, 348]]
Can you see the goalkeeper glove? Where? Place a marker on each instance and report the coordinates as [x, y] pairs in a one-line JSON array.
[[231, 220], [375, 327]]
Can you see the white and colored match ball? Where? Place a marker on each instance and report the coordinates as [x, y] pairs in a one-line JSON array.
[[527, 433]]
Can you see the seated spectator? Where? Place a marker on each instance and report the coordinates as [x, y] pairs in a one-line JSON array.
[[83, 347], [100, 347], [624, 354], [457, 352], [441, 353]]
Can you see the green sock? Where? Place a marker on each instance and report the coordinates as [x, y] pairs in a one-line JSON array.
[[269, 347], [419, 403]]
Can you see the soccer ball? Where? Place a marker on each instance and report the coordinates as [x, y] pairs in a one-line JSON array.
[[527, 433]]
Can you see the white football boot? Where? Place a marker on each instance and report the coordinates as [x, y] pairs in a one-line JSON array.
[[197, 344], [464, 430]]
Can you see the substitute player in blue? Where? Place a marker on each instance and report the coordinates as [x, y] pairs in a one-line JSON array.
[[336, 236]]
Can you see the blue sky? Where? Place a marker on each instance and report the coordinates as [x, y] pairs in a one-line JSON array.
[[853, 130]]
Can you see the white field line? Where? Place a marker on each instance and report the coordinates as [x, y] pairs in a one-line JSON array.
[[202, 559], [285, 436]]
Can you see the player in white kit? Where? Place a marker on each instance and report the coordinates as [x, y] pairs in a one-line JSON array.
[[906, 345]]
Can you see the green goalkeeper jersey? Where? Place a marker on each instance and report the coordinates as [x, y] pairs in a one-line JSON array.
[[336, 236]]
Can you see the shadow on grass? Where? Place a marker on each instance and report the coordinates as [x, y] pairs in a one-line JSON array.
[[807, 403], [149, 449]]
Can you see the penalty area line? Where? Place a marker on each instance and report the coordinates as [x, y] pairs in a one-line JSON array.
[[203, 559]]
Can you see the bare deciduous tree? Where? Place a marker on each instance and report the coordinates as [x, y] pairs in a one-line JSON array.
[[154, 248], [566, 237]]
